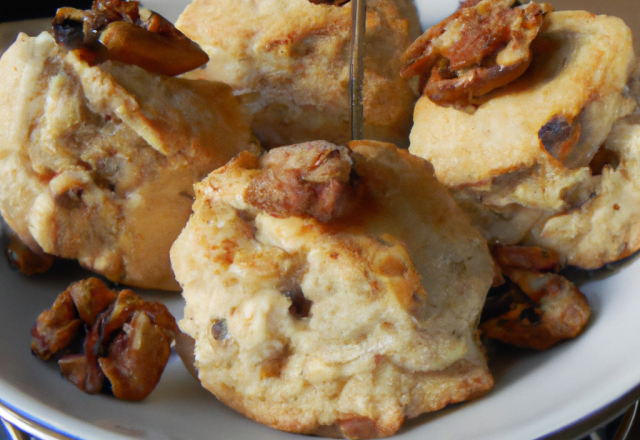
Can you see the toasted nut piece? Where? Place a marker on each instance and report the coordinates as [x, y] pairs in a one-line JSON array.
[[483, 46], [24, 259], [74, 368], [313, 178], [93, 349], [534, 308], [122, 31], [541, 310], [91, 297], [137, 357], [160, 53], [128, 340], [55, 328]]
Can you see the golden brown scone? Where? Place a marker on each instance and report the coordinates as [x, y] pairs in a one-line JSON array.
[[97, 163], [524, 155], [289, 62], [343, 328], [605, 228]]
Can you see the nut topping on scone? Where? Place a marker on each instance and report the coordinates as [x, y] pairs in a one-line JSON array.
[[534, 307], [315, 179], [481, 47], [550, 159]]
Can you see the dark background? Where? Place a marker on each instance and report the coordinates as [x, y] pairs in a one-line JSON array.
[[11, 10]]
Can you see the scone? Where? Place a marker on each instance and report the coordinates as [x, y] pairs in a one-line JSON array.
[[606, 228], [333, 291], [528, 162], [97, 163], [288, 60]]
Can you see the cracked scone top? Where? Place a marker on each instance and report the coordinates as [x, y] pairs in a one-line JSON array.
[[98, 163], [339, 327]]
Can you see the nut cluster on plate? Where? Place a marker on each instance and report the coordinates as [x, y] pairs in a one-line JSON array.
[[105, 339]]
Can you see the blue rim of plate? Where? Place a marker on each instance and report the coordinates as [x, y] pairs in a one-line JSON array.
[[31, 425]]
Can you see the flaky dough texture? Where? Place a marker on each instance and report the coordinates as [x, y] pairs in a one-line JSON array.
[[393, 291], [97, 163], [289, 62]]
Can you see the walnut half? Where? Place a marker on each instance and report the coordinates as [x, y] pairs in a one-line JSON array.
[[482, 46], [310, 179]]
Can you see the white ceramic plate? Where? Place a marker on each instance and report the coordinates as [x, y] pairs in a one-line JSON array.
[[561, 393]]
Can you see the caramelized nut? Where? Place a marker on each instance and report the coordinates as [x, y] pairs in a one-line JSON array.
[[136, 358], [91, 297], [483, 46], [160, 53], [311, 179], [128, 340], [121, 31], [55, 328], [534, 308]]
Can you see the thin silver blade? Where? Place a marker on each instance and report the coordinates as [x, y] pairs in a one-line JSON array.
[[356, 76]]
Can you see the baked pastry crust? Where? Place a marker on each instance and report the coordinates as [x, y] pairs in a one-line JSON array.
[[97, 163], [343, 328], [288, 60], [522, 164], [580, 68]]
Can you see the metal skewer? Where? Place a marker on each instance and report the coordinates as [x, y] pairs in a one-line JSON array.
[[356, 77]]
